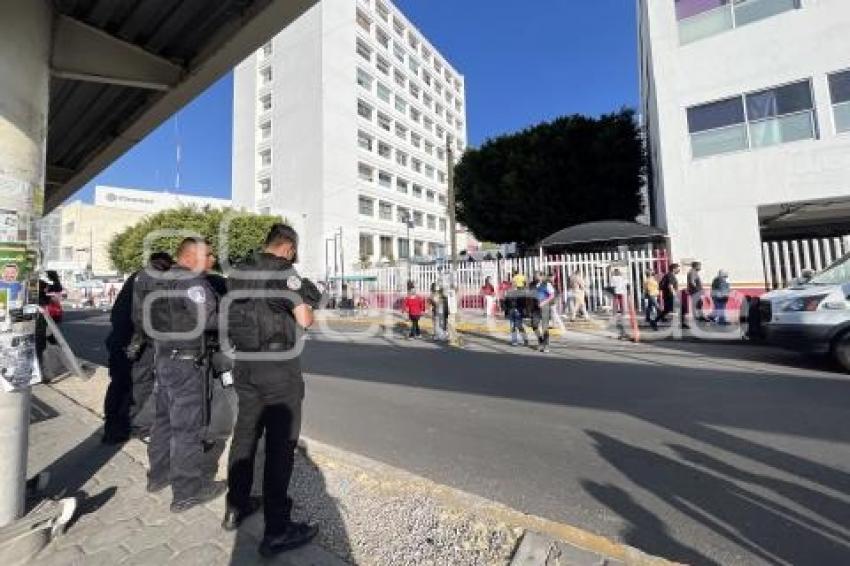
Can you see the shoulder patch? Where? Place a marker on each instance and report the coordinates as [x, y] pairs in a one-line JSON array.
[[293, 282], [197, 294]]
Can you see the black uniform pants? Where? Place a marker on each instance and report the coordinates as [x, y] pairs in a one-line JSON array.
[[175, 450], [119, 394], [270, 396]]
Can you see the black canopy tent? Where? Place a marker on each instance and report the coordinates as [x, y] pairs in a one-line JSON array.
[[603, 234]]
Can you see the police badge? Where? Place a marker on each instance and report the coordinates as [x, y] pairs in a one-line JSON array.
[[293, 282], [197, 295]]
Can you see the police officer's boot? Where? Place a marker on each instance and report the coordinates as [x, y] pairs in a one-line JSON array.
[[295, 535], [234, 516]]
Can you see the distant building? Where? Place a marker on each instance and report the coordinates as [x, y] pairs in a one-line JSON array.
[[344, 120], [747, 114], [76, 236]]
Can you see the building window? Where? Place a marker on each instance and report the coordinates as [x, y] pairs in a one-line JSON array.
[[383, 65], [839, 89], [382, 38], [265, 185], [401, 131], [429, 196], [398, 51], [412, 41], [366, 206], [415, 115], [385, 179], [68, 253], [403, 248], [365, 172], [768, 117], [384, 92], [429, 171], [266, 103], [427, 100], [384, 150], [417, 248], [438, 87], [385, 210], [364, 79], [429, 148], [364, 50], [413, 65], [364, 22], [364, 140], [267, 49], [438, 109], [402, 214], [415, 140], [367, 249], [442, 224], [432, 222], [398, 26], [401, 185], [266, 130], [266, 75], [69, 227], [401, 158], [384, 122], [398, 76], [414, 91], [400, 104], [440, 132], [386, 247], [426, 77], [364, 110], [443, 200], [428, 123], [265, 157], [417, 191], [382, 11], [418, 219], [703, 18], [441, 176], [441, 154], [416, 164]]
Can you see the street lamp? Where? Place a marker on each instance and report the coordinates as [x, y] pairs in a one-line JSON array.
[[408, 221]]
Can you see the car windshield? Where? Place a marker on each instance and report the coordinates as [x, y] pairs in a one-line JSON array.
[[836, 274]]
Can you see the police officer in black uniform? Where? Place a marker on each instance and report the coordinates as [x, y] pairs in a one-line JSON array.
[[270, 391], [176, 320], [130, 380]]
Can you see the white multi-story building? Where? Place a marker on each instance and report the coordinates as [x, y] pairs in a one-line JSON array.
[[747, 111], [344, 121]]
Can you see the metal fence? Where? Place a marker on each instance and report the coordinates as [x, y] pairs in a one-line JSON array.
[[594, 268], [785, 260]]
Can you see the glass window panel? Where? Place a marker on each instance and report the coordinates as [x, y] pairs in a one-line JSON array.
[[705, 24], [842, 117], [712, 142], [782, 130], [748, 11], [839, 87], [689, 8], [778, 101], [715, 115]]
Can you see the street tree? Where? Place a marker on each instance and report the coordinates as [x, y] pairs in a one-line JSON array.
[[525, 186], [164, 231]]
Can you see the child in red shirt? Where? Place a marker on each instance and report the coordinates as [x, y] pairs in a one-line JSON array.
[[414, 306]]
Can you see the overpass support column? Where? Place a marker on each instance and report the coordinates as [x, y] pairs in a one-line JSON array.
[[25, 35]]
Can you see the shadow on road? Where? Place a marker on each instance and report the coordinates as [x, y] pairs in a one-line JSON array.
[[696, 402]]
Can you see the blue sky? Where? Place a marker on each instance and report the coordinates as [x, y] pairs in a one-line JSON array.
[[522, 66]]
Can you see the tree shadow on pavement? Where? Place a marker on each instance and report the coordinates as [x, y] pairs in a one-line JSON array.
[[311, 503], [769, 530]]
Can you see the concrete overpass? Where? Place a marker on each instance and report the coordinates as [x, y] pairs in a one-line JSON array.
[[81, 82]]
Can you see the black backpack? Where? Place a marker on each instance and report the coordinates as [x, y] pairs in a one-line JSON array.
[[252, 324]]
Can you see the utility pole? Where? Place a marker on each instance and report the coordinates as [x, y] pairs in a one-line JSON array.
[[25, 33], [454, 339]]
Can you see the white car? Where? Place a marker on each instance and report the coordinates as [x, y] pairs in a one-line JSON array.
[[814, 316]]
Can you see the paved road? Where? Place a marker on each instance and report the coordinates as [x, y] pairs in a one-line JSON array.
[[707, 454]]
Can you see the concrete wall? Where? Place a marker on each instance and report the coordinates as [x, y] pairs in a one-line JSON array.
[[709, 205]]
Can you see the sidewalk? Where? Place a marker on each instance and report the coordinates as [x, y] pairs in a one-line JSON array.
[[368, 512]]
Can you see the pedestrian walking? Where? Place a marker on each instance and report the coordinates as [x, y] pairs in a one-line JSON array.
[[175, 323], [694, 290], [518, 279], [544, 293], [669, 285], [619, 287], [414, 306], [651, 291], [439, 312], [577, 289], [515, 311], [720, 290], [269, 323], [488, 292]]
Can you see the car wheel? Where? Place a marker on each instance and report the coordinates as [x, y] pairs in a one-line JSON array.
[[841, 350]]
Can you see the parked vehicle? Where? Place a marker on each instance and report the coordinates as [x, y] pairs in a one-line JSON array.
[[812, 316]]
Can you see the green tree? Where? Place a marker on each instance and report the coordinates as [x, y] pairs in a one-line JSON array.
[[166, 229], [525, 186]]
